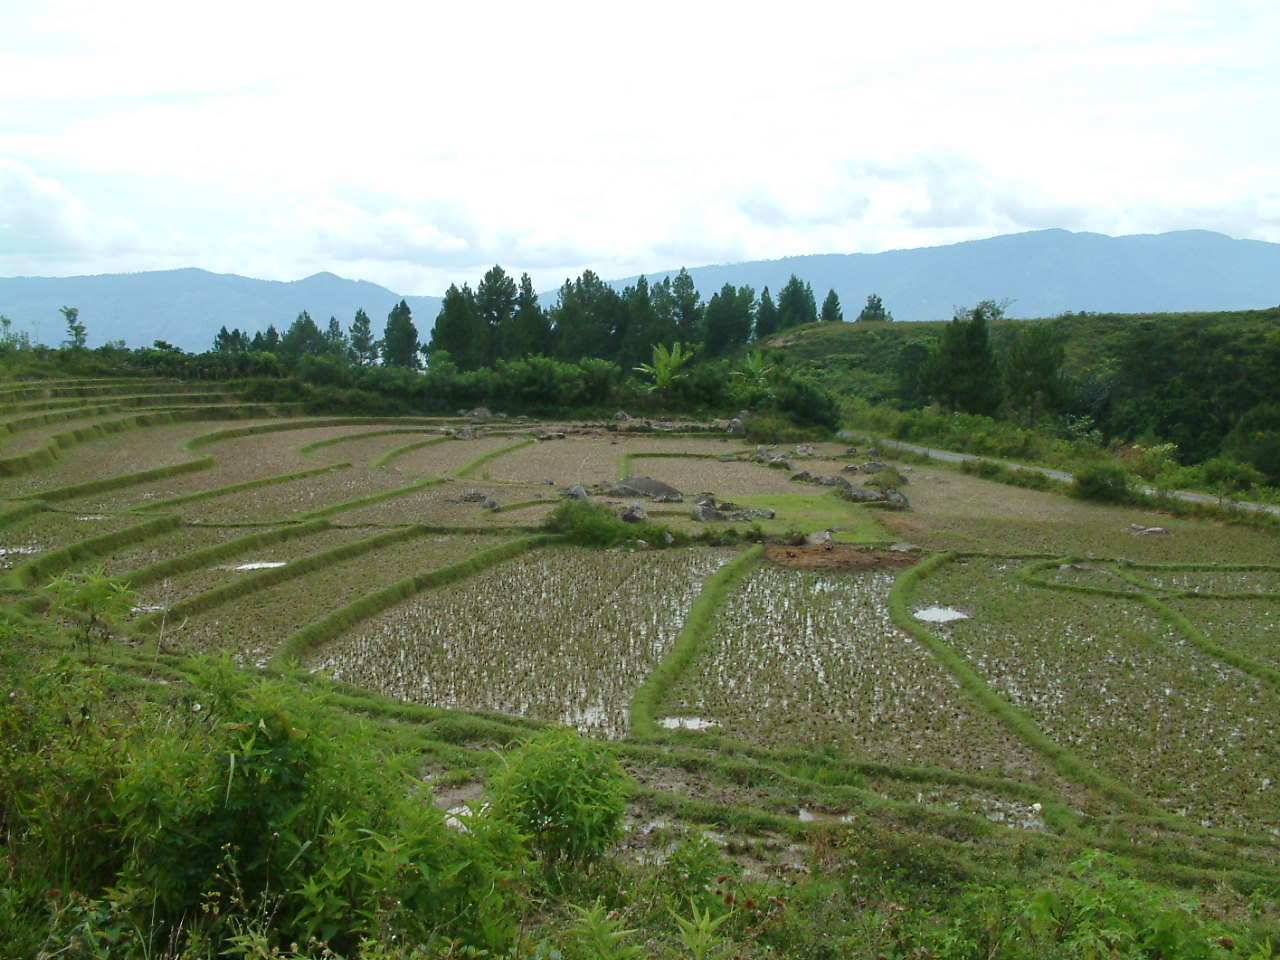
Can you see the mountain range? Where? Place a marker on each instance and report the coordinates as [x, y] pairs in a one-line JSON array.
[[1041, 273]]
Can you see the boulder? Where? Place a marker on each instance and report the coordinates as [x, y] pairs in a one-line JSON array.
[[551, 435], [490, 503], [737, 428], [473, 496], [667, 538], [705, 512], [894, 500], [782, 462], [806, 450], [874, 466], [655, 490], [621, 416], [804, 476], [849, 468], [633, 514], [642, 544], [820, 539], [575, 491], [745, 415], [480, 415], [860, 494], [465, 433]]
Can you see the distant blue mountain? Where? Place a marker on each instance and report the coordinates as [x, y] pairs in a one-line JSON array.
[[1043, 273], [186, 307]]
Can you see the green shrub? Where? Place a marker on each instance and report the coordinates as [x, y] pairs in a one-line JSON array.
[[1104, 482], [566, 793]]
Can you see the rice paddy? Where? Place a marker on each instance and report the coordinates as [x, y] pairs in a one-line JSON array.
[[1058, 674]]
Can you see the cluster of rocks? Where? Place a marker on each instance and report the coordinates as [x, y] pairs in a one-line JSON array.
[[475, 496], [707, 510], [1138, 530]]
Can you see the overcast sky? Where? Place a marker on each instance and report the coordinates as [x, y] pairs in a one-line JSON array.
[[415, 148]]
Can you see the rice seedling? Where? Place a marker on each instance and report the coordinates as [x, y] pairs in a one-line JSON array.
[[1123, 689], [574, 634], [810, 659]]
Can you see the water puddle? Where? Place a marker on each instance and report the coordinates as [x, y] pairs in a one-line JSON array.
[[939, 615], [258, 565], [686, 723]]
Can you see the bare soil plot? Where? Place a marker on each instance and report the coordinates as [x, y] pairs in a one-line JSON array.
[[445, 459], [453, 503], [363, 450], [564, 634], [128, 452], [575, 459], [953, 510], [724, 479], [290, 500], [253, 626]]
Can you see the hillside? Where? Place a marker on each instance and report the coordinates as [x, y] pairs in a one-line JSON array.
[[1043, 273], [966, 745], [186, 307]]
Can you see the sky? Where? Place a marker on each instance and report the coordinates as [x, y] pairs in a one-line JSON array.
[[418, 147]]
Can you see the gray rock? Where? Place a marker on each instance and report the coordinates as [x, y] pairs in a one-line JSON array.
[[806, 450], [655, 490], [873, 451], [782, 462], [737, 428], [642, 544], [894, 500], [745, 415], [860, 494], [707, 513], [820, 539], [874, 466], [667, 538], [490, 503], [575, 492], [473, 496], [465, 433], [551, 435], [1152, 532], [621, 416], [480, 415], [804, 476], [633, 514], [849, 468], [904, 547]]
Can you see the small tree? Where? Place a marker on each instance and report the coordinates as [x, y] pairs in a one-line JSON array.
[[94, 600], [874, 310], [75, 329], [831, 312], [400, 339]]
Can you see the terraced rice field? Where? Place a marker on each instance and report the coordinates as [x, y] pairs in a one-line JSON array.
[[1111, 688]]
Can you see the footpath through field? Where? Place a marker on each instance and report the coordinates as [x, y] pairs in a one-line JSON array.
[[950, 456]]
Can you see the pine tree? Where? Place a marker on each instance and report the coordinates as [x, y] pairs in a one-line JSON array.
[[303, 338], [458, 331], [873, 311], [529, 332], [726, 321], [688, 305], [495, 306], [1033, 371], [363, 350], [400, 339], [766, 316], [961, 372], [831, 312], [796, 304]]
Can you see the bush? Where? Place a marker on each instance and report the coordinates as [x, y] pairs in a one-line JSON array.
[[566, 793], [1104, 482]]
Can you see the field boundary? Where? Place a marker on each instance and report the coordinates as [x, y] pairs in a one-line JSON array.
[[696, 628]]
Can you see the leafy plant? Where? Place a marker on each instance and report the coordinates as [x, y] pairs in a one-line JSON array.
[[94, 600], [566, 793]]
